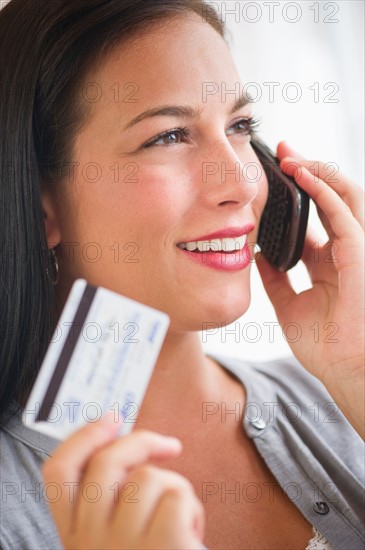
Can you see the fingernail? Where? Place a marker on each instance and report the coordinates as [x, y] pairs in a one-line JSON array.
[[292, 151], [290, 165], [110, 418], [172, 441], [289, 158]]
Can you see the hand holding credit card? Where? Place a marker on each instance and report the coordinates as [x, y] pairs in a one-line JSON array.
[[100, 359]]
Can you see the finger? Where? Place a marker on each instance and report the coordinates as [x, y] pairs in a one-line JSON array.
[[285, 150], [342, 222], [351, 193], [311, 248], [65, 466], [107, 471], [318, 259], [290, 166], [179, 514], [276, 284], [326, 223], [133, 515]]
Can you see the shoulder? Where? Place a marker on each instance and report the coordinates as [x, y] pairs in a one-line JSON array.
[[285, 392], [307, 443], [283, 376], [25, 518]]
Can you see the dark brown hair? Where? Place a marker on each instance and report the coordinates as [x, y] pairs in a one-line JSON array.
[[46, 49]]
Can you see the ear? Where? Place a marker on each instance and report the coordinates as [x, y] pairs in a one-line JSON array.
[[51, 224]]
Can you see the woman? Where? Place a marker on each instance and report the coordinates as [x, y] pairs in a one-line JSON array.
[[105, 137]]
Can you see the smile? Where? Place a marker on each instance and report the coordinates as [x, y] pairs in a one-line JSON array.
[[216, 245], [234, 260]]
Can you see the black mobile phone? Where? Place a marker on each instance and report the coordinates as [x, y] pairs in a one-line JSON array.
[[285, 217]]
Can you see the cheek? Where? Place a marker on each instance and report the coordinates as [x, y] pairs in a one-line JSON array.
[[155, 200], [159, 196], [149, 197], [263, 190], [262, 193]]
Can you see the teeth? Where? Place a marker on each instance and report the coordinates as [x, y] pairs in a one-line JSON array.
[[229, 245], [216, 244], [225, 245]]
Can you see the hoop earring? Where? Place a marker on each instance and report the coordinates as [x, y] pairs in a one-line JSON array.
[[54, 262]]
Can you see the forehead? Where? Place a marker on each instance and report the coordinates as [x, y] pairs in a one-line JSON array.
[[172, 60]]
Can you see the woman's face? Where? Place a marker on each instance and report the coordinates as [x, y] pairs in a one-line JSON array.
[[128, 205]]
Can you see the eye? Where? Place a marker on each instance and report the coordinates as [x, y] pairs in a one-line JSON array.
[[172, 137], [246, 126], [180, 135]]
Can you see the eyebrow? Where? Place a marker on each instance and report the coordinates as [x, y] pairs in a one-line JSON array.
[[183, 111]]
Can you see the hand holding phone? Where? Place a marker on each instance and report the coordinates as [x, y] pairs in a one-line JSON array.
[[284, 219]]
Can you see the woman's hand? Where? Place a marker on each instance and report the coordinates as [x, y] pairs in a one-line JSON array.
[[330, 314], [111, 498]]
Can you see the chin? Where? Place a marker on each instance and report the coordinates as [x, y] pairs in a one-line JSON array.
[[215, 314], [226, 313]]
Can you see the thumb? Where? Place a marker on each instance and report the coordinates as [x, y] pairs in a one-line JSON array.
[[285, 150]]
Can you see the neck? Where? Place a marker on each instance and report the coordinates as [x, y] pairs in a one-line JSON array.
[[183, 380]]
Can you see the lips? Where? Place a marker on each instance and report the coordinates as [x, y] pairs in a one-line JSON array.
[[222, 261]]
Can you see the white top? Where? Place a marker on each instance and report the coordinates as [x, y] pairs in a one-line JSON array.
[[319, 542]]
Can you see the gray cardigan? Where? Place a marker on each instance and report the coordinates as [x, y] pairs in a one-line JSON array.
[[306, 442]]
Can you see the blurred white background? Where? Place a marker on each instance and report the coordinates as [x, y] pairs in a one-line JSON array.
[[319, 46]]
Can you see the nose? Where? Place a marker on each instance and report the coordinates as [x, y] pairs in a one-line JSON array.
[[229, 177]]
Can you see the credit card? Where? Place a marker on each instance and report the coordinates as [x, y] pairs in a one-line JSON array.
[[100, 358]]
